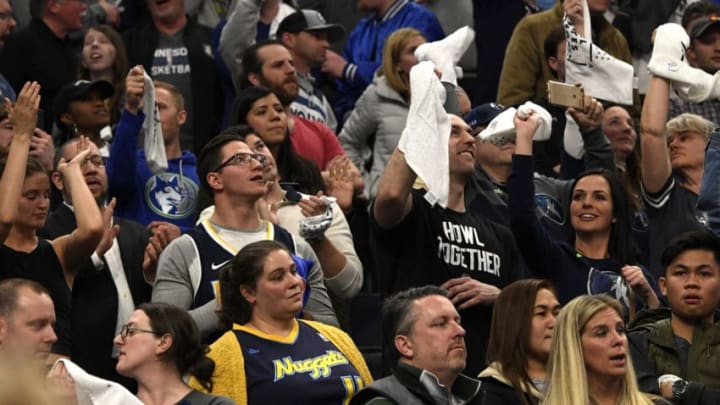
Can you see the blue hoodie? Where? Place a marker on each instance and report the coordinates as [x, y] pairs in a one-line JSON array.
[[142, 196]]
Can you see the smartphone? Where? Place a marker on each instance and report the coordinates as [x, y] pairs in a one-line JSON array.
[[566, 95]]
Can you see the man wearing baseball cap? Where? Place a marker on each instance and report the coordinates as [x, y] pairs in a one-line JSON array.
[[701, 20], [307, 36]]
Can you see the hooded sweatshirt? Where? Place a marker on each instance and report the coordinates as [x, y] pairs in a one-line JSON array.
[[142, 196]]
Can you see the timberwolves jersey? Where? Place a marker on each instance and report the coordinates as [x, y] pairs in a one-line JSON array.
[[214, 253], [302, 368]]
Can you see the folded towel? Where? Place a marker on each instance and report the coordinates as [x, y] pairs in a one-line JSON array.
[[501, 129], [154, 142]]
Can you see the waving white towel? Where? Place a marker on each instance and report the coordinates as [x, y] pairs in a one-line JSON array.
[[602, 76], [154, 143], [91, 390], [427, 132]]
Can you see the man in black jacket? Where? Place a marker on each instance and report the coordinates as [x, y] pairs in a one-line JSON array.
[[425, 342], [174, 49], [111, 284]]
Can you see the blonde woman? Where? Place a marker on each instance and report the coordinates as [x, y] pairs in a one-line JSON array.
[[382, 109], [589, 361]]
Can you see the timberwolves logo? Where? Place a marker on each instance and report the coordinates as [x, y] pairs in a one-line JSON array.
[[549, 208], [170, 196]]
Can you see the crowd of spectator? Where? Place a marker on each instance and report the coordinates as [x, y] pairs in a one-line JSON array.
[[375, 202]]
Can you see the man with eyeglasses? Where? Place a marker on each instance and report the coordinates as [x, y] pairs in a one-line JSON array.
[[111, 283], [188, 268], [44, 52]]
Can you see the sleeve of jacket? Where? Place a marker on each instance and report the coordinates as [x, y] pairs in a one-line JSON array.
[[709, 198], [122, 163], [348, 282], [520, 69], [13, 64], [361, 124], [537, 247], [319, 305], [644, 368], [239, 34]]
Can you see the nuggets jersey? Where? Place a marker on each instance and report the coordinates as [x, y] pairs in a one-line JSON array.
[[302, 368]]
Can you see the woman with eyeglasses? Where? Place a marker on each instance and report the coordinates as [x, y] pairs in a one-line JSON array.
[[159, 346], [267, 356]]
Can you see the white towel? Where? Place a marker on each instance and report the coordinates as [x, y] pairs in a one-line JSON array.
[[572, 138], [427, 133], [91, 390], [501, 129], [446, 53], [154, 143], [602, 76]]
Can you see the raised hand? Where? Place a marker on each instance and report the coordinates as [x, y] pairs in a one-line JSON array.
[[23, 116], [589, 118], [111, 231], [134, 89]]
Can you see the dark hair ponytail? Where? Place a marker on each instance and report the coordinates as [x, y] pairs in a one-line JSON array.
[[187, 352]]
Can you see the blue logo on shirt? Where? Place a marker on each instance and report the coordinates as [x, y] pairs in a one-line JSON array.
[[550, 208], [171, 196]]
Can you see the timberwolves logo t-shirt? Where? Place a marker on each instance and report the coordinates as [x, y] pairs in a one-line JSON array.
[[302, 368], [171, 196]]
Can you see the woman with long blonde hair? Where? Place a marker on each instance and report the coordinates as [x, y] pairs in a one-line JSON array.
[[589, 362]]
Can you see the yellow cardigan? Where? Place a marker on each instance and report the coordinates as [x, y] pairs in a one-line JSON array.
[[229, 375]]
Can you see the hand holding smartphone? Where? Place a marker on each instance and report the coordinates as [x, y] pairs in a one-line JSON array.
[[566, 95]]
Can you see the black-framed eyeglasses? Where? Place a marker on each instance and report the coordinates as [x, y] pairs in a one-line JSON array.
[[128, 330], [96, 161], [242, 159]]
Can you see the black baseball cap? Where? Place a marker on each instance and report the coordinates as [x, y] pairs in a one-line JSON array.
[[309, 20], [480, 116], [77, 91], [702, 24]]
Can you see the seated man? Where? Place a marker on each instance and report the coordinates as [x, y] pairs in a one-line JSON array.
[[27, 315], [426, 344], [684, 340], [188, 268]]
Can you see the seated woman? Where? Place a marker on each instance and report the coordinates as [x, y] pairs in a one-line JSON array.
[[267, 355], [589, 361], [601, 257], [158, 347], [518, 351], [380, 113]]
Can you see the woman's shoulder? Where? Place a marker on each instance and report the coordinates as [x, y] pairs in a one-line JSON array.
[[498, 392], [199, 398]]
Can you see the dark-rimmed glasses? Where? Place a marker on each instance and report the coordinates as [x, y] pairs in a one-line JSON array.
[[242, 159], [128, 330]]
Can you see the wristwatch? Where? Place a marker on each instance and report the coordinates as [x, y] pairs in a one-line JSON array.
[[678, 388]]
